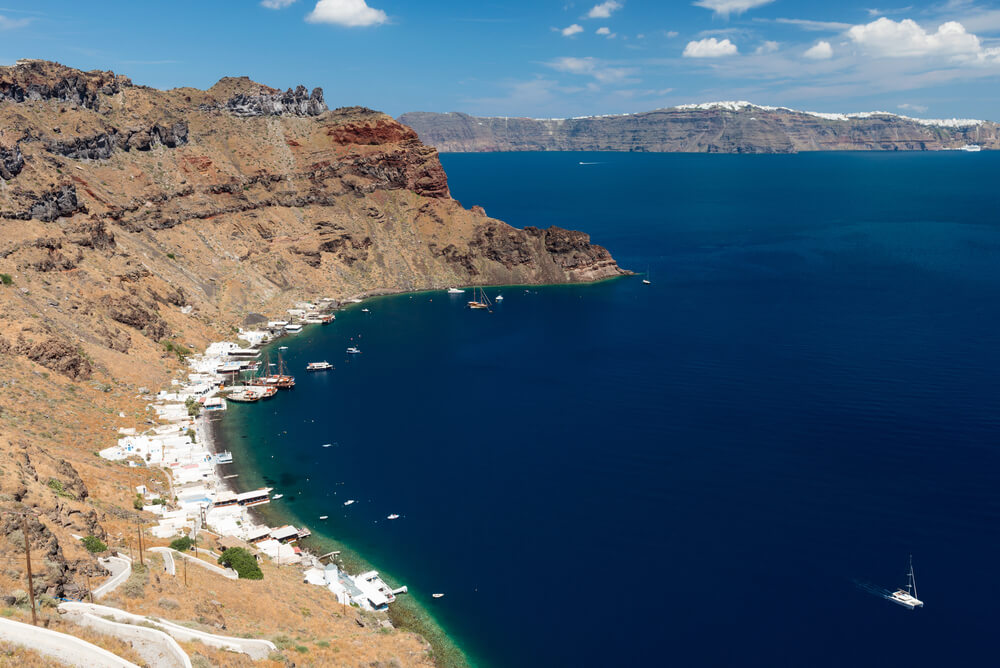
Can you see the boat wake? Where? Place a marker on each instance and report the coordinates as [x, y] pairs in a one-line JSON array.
[[872, 589]]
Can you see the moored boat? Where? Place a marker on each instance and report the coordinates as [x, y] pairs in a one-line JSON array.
[[318, 366]]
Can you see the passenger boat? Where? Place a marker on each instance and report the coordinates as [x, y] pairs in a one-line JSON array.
[[908, 598], [274, 380], [318, 366], [244, 397]]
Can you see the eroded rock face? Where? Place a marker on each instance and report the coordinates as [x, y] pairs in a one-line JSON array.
[[55, 204], [128, 310], [59, 356], [33, 81], [101, 146], [298, 102], [11, 162], [702, 130]]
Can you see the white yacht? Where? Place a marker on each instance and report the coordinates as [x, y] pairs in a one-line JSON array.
[[908, 598], [455, 291], [499, 298], [348, 502], [437, 595], [394, 516], [353, 351], [323, 517]]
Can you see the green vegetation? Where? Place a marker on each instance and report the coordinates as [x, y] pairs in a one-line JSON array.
[[6, 279], [171, 256], [194, 408], [57, 487], [176, 348], [137, 502], [94, 544], [135, 586], [182, 544], [242, 562]]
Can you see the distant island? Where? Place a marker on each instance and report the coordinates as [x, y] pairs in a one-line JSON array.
[[713, 127]]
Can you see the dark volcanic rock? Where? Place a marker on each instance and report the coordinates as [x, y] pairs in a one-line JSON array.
[[55, 204], [59, 356], [298, 102], [11, 162], [74, 89], [130, 311], [101, 146]]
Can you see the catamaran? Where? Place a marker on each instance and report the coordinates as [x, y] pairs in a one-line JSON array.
[[908, 598]]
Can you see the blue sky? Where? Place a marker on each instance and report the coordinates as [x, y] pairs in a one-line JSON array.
[[539, 58]]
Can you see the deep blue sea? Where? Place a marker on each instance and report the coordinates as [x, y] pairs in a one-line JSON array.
[[699, 472]]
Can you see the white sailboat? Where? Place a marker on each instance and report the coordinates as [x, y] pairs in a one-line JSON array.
[[908, 598]]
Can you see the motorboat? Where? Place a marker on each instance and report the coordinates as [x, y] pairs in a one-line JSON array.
[[353, 351], [349, 502], [323, 517], [455, 291], [277, 496], [437, 595], [318, 366], [394, 516]]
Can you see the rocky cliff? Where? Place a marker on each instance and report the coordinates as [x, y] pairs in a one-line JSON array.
[[137, 223], [725, 127]]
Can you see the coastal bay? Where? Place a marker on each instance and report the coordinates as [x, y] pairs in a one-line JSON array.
[[595, 474]]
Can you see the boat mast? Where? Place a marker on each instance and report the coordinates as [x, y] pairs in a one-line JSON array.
[[913, 583]]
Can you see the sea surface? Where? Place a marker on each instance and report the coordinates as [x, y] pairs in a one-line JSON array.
[[716, 469]]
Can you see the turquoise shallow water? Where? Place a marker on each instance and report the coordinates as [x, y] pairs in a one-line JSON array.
[[699, 471]]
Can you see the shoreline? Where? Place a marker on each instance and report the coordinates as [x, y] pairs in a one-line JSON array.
[[406, 613]]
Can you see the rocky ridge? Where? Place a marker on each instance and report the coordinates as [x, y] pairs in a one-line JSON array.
[[137, 223], [723, 127]]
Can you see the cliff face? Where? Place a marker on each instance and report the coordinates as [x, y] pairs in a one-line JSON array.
[[135, 221], [122, 204], [724, 128]]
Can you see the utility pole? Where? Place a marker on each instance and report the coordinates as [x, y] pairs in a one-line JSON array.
[[138, 529], [185, 571], [27, 557]]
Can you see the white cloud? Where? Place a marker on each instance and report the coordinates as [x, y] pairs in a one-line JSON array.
[[591, 67], [603, 31], [350, 13], [672, 33], [819, 51], [276, 4], [907, 39], [569, 31], [11, 24], [919, 108], [710, 48], [767, 47], [727, 7], [806, 24], [604, 10]]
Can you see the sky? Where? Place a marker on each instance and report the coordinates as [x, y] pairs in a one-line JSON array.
[[541, 58]]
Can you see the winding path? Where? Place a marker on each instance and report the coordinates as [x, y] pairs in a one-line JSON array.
[[60, 646], [121, 569], [253, 647], [218, 570]]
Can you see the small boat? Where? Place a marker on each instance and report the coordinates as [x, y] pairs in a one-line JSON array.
[[364, 310], [349, 502], [394, 516], [327, 445], [455, 291], [276, 497], [318, 366], [646, 280], [499, 298], [323, 517], [437, 595], [283, 348], [908, 598], [353, 351]]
